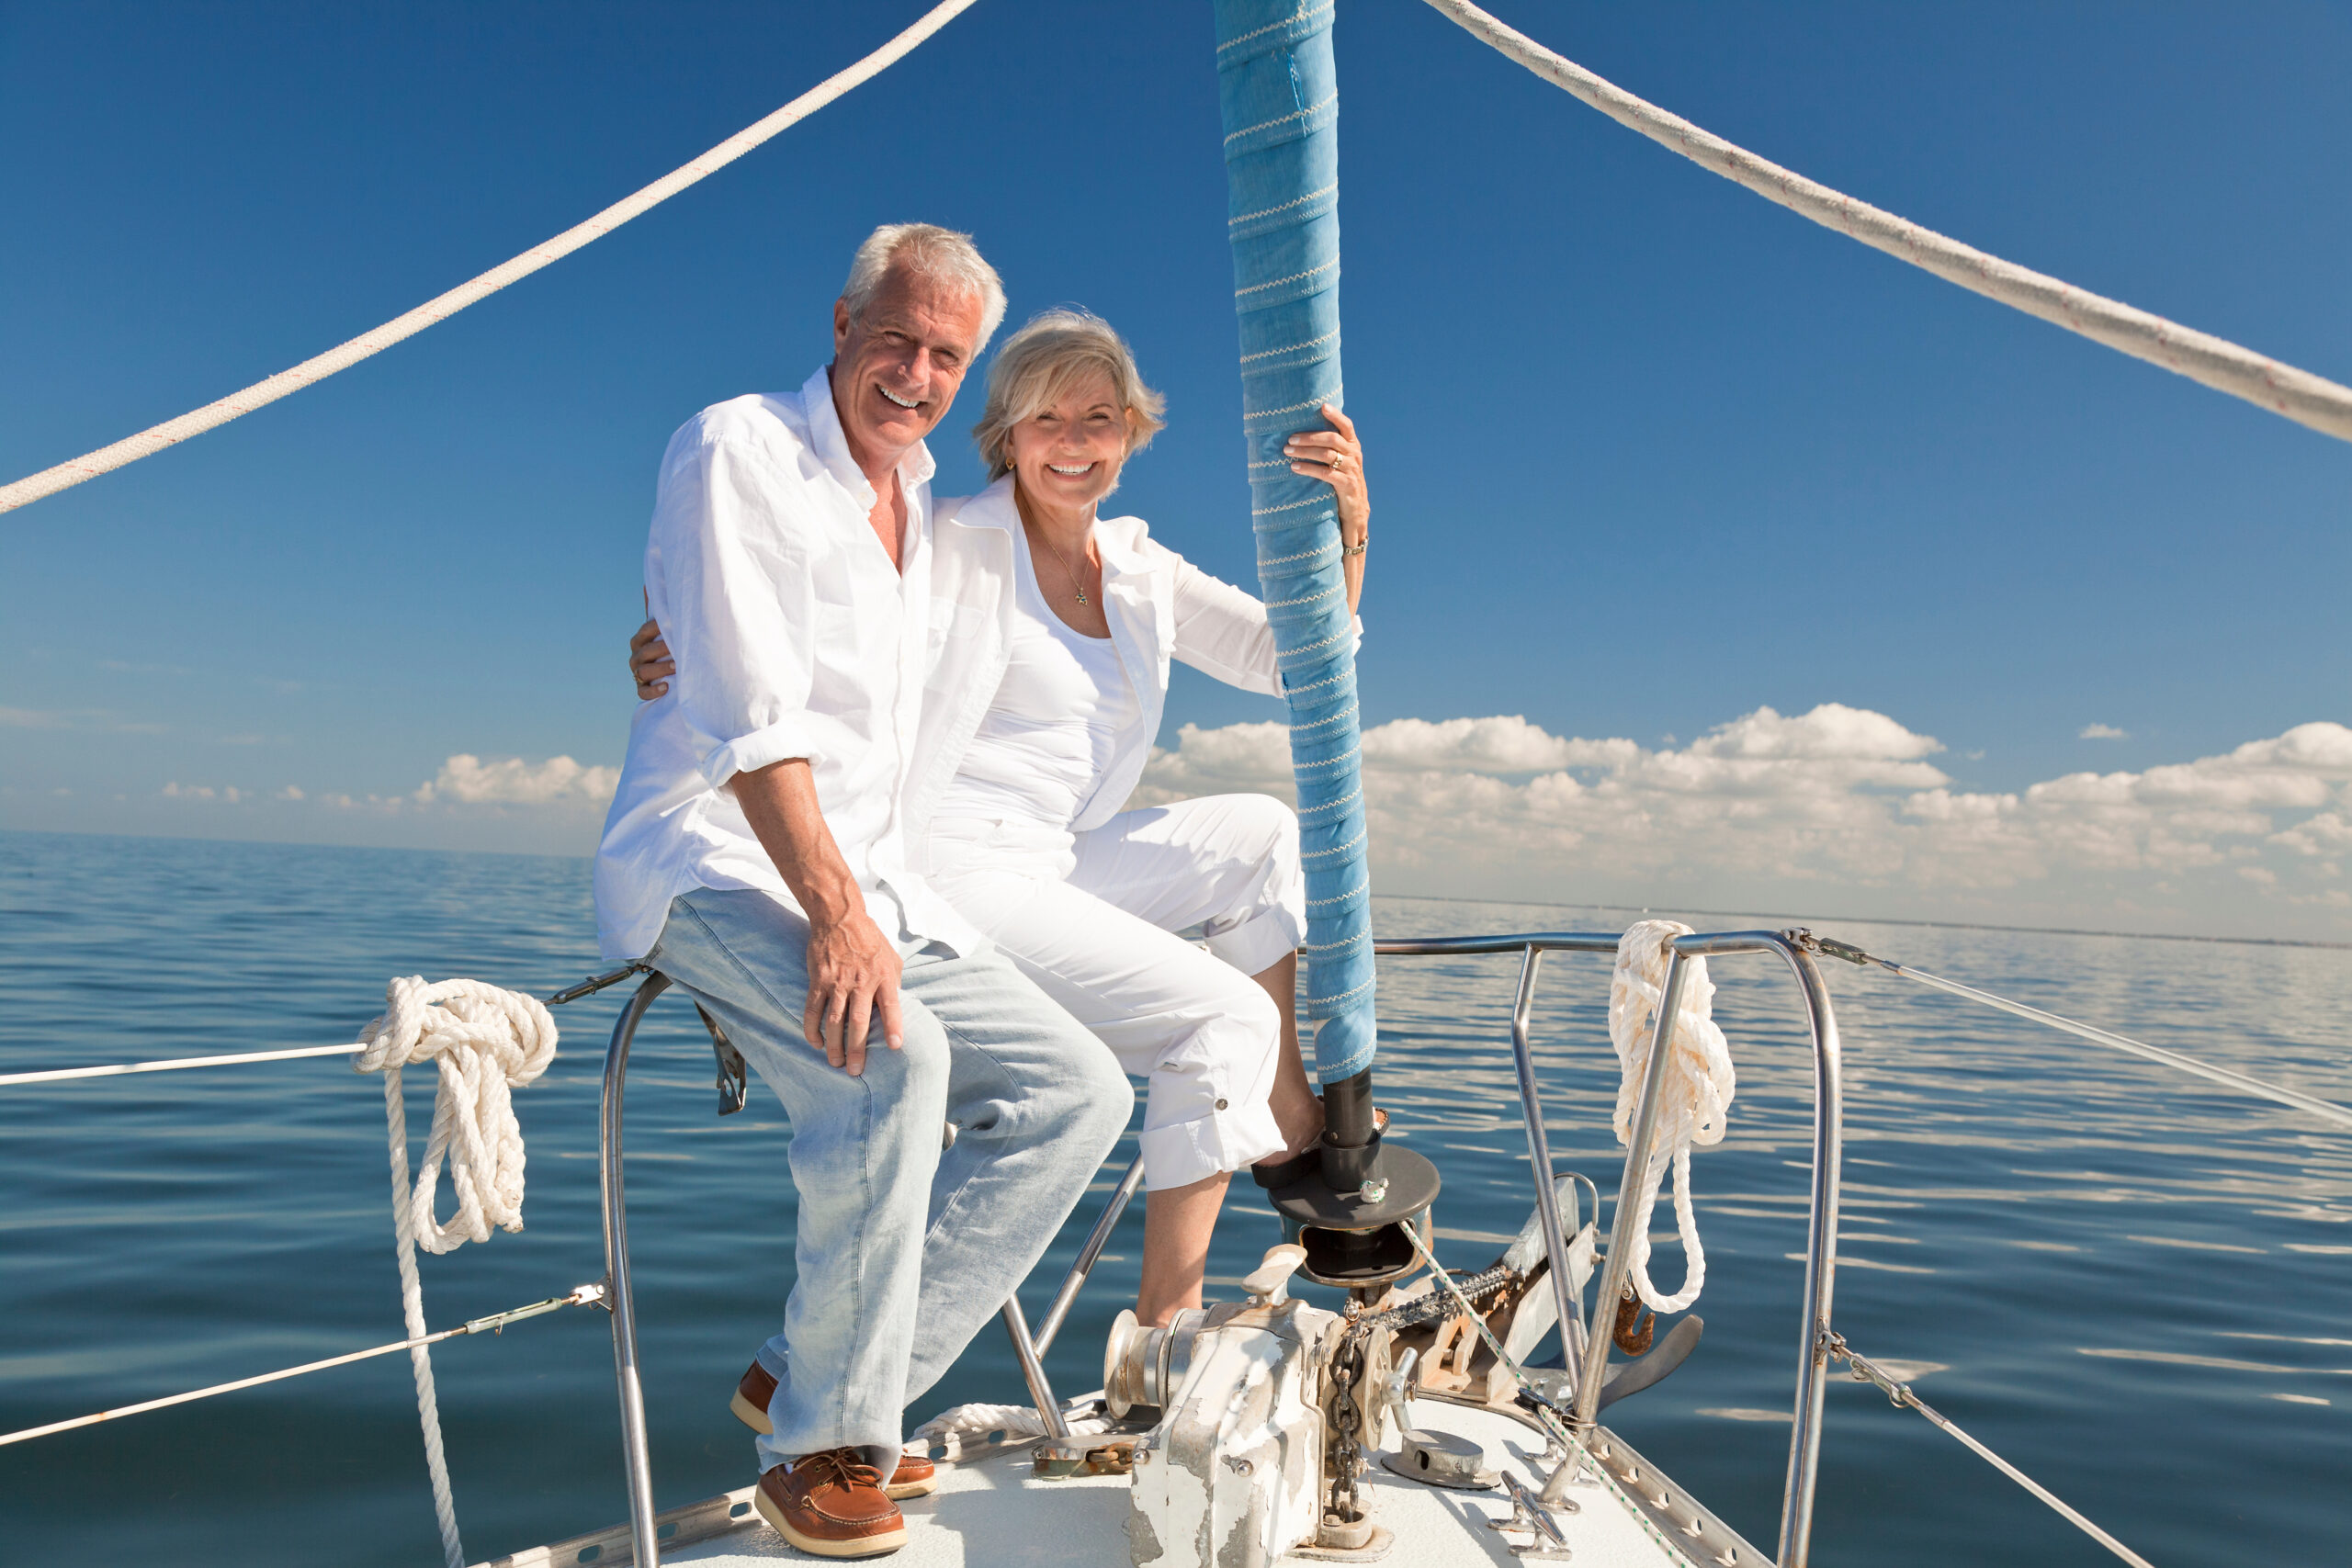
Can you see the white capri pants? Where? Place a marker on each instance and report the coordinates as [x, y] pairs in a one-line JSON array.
[[1092, 916]]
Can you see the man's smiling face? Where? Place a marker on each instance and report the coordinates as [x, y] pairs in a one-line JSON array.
[[897, 368]]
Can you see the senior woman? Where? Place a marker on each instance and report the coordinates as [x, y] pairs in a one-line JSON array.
[[1014, 816]]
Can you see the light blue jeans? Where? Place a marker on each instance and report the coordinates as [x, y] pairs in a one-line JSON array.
[[903, 1252]]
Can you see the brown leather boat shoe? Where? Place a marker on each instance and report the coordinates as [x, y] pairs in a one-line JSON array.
[[831, 1504], [751, 1400], [915, 1477]]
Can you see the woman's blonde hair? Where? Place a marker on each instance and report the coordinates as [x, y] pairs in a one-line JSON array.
[[1043, 361]]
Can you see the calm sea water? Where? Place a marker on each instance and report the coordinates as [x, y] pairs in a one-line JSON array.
[[2138, 1288]]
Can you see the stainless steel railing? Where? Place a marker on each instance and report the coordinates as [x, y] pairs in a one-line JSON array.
[[1588, 1363], [1589, 1366], [635, 1453], [637, 1461]]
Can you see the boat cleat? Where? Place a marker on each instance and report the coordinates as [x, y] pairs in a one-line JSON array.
[[1532, 1516], [1059, 1459], [1440, 1458]]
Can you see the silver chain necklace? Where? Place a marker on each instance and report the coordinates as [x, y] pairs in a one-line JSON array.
[[1076, 587]]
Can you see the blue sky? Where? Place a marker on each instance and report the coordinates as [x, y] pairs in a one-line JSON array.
[[1650, 454]]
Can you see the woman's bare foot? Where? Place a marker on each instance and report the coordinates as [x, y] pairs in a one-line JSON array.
[[1297, 1109]]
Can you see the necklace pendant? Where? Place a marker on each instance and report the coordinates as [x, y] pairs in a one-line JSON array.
[[1081, 595]]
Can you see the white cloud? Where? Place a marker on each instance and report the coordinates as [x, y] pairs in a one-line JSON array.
[[2102, 732], [468, 780], [1474, 745], [227, 796], [2330, 832], [1768, 805]]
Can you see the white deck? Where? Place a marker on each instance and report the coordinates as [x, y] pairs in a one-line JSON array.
[[992, 1512]]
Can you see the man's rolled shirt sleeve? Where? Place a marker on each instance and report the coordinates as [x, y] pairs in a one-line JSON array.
[[741, 614]]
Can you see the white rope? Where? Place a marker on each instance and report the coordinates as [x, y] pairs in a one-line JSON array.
[[1693, 1096], [2300, 396], [486, 1042], [147, 443]]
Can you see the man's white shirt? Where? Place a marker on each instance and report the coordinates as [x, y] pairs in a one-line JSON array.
[[794, 636]]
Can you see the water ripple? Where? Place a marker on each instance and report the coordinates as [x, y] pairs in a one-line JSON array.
[[2078, 1228]]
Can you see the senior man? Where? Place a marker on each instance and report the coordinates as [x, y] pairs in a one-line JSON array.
[[753, 854]]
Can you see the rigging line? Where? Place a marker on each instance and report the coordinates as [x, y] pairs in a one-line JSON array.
[[2106, 1037], [2326, 1108], [116, 1069], [2323, 1108], [147, 443], [1899, 1394], [2300, 396], [175, 1063], [582, 1295]]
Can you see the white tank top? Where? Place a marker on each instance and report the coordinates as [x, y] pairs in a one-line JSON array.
[[1053, 725]]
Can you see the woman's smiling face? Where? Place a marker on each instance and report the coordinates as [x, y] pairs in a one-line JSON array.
[[1067, 453]]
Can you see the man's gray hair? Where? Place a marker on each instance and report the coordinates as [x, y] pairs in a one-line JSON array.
[[928, 251], [1046, 359]]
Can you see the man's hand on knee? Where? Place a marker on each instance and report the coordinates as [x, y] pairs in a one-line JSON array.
[[853, 981], [852, 972]]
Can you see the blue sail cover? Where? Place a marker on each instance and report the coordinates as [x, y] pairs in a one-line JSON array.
[[1280, 98]]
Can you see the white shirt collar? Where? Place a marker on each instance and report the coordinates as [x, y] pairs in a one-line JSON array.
[[1115, 541], [825, 435], [1114, 537], [992, 508]]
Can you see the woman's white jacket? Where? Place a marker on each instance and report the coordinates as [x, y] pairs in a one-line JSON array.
[[1159, 606]]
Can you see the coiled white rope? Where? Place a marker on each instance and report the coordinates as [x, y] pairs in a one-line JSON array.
[[147, 443], [2306, 399], [1694, 1095], [486, 1042]]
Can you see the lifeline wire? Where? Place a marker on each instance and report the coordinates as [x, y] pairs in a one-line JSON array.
[[237, 1058], [147, 443], [584, 1295], [2300, 1101], [2326, 1108], [2300, 396], [119, 1069], [1899, 1394]]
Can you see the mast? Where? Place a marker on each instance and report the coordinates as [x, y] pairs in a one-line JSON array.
[[1278, 92]]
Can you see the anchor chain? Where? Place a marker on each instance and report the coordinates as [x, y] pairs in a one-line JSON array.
[[1439, 1303], [1346, 1462]]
